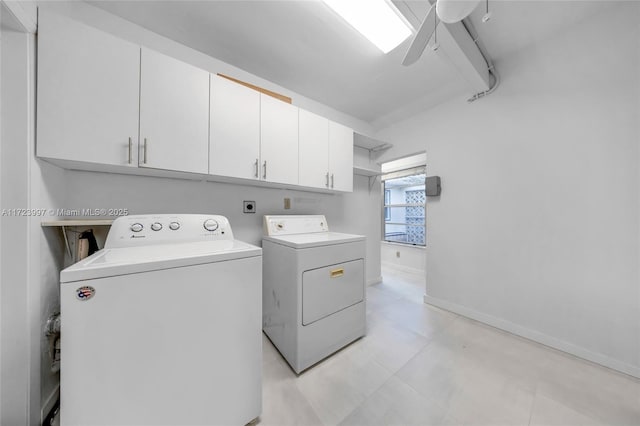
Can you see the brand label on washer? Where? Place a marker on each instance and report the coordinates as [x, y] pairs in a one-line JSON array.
[[85, 293]]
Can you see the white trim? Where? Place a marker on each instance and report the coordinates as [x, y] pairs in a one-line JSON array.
[[374, 281], [403, 268], [405, 162], [21, 16], [536, 336], [412, 246]]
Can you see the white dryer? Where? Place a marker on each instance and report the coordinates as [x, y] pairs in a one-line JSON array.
[[313, 288], [163, 326]]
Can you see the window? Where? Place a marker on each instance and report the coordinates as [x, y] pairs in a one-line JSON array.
[[404, 206], [387, 201]]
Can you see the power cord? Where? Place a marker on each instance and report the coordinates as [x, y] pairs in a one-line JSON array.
[[490, 66], [496, 83]]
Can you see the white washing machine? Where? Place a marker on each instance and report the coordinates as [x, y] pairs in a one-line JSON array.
[[163, 326], [313, 297]]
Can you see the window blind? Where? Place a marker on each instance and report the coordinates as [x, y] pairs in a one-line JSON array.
[[404, 173]]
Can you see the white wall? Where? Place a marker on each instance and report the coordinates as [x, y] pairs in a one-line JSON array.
[[141, 195], [404, 257], [537, 229]]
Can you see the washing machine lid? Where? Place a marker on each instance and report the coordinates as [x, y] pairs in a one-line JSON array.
[[318, 239], [131, 260]]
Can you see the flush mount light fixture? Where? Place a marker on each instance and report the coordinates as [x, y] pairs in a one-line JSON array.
[[377, 20]]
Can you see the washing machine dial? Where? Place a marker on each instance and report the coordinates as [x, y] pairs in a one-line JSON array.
[[174, 226], [210, 225], [137, 227], [156, 226]]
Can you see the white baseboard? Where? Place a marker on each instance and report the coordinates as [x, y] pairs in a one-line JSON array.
[[403, 268], [536, 336], [49, 403], [374, 281]]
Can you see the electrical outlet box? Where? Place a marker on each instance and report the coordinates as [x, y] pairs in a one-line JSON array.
[[287, 203], [249, 206]]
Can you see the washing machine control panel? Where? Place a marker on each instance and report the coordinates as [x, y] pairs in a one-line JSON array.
[[139, 230], [294, 224]]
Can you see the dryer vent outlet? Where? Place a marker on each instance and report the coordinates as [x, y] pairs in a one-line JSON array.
[[249, 206]]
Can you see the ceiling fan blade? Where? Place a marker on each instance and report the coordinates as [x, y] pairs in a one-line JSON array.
[[452, 11], [422, 37]]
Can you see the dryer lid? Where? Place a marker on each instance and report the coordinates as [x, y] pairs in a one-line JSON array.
[[319, 239]]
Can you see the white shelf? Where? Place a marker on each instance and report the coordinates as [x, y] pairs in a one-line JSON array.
[[78, 222], [364, 171], [370, 144], [69, 223]]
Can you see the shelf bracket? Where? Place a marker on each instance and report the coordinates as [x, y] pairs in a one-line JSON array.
[[372, 181]]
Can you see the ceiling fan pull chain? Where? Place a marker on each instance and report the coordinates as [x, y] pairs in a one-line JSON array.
[[487, 15], [435, 45]]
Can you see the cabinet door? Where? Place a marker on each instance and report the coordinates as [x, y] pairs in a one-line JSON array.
[[313, 150], [278, 140], [235, 130], [174, 114], [340, 157], [88, 85]]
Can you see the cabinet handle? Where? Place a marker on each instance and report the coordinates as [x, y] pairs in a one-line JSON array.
[[130, 149], [336, 273], [331, 180], [264, 170], [327, 182], [256, 166], [144, 157]]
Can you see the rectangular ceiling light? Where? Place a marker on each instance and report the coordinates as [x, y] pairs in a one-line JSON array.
[[377, 20]]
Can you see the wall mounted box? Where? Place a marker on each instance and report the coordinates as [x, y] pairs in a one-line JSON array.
[[432, 186]]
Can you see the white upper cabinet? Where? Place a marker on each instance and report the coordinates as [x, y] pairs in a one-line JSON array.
[[88, 85], [278, 141], [235, 130], [106, 104], [326, 153], [340, 157], [313, 150], [174, 114]]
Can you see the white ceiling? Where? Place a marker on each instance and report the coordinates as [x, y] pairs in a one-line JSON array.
[[303, 46]]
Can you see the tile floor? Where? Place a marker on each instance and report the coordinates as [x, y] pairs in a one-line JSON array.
[[420, 365]]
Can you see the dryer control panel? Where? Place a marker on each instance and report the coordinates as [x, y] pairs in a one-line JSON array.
[[143, 230], [294, 224]]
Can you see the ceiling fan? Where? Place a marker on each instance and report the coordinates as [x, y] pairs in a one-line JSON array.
[[447, 11]]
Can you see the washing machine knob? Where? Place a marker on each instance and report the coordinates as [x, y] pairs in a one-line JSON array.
[[156, 226], [137, 227], [174, 226], [210, 225]]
